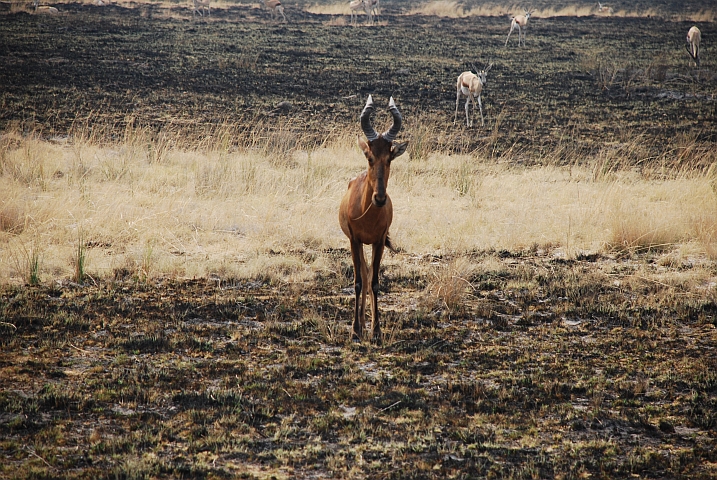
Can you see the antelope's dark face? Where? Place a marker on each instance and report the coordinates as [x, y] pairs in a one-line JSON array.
[[380, 150], [380, 153]]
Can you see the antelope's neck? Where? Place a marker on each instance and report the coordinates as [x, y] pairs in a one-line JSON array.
[[367, 194]]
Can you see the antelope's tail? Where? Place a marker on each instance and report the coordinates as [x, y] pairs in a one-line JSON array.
[[390, 246]]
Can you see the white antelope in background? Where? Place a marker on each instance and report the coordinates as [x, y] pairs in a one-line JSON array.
[[471, 85], [364, 5], [373, 6], [200, 6], [694, 37], [43, 8], [355, 6], [520, 21], [276, 9], [604, 9]]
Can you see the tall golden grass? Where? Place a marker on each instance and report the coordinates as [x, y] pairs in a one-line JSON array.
[[154, 204]]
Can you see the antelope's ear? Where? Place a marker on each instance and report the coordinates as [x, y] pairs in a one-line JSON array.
[[398, 149], [363, 145]]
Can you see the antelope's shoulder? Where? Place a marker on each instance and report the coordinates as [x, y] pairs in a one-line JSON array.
[[358, 179]]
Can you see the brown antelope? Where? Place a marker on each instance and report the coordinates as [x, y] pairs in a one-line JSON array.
[[471, 85], [520, 21], [276, 9], [200, 6], [366, 213], [694, 37]]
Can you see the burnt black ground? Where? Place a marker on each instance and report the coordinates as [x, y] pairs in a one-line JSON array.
[[583, 81]]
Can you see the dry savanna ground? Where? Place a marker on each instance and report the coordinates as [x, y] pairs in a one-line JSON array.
[[176, 293]]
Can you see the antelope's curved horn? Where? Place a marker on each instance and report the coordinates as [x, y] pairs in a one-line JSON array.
[[390, 135], [366, 120]]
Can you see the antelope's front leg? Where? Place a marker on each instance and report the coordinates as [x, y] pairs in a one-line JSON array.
[[359, 290], [480, 107], [469, 121], [377, 253]]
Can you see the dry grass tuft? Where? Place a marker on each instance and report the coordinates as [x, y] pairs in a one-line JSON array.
[[451, 284], [439, 8]]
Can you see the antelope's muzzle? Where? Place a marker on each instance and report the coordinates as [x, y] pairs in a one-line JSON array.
[[378, 199]]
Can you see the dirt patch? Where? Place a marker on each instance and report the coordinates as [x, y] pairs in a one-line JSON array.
[[544, 368]]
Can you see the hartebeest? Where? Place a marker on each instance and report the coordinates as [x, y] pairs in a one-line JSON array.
[[694, 37], [200, 6], [471, 85], [520, 21], [366, 213], [276, 9]]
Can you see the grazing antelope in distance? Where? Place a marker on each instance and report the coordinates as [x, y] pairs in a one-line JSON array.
[[604, 8], [520, 21], [694, 37], [471, 85], [276, 9], [366, 213], [43, 8], [200, 6]]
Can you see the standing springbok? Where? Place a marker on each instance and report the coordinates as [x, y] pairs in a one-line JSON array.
[[520, 21], [366, 213], [200, 6], [471, 85], [373, 6], [276, 9], [604, 9], [44, 9], [694, 37], [355, 6]]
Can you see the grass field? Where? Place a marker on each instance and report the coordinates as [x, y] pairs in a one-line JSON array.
[[176, 293]]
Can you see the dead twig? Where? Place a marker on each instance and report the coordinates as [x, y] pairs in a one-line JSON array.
[[390, 406], [34, 454]]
